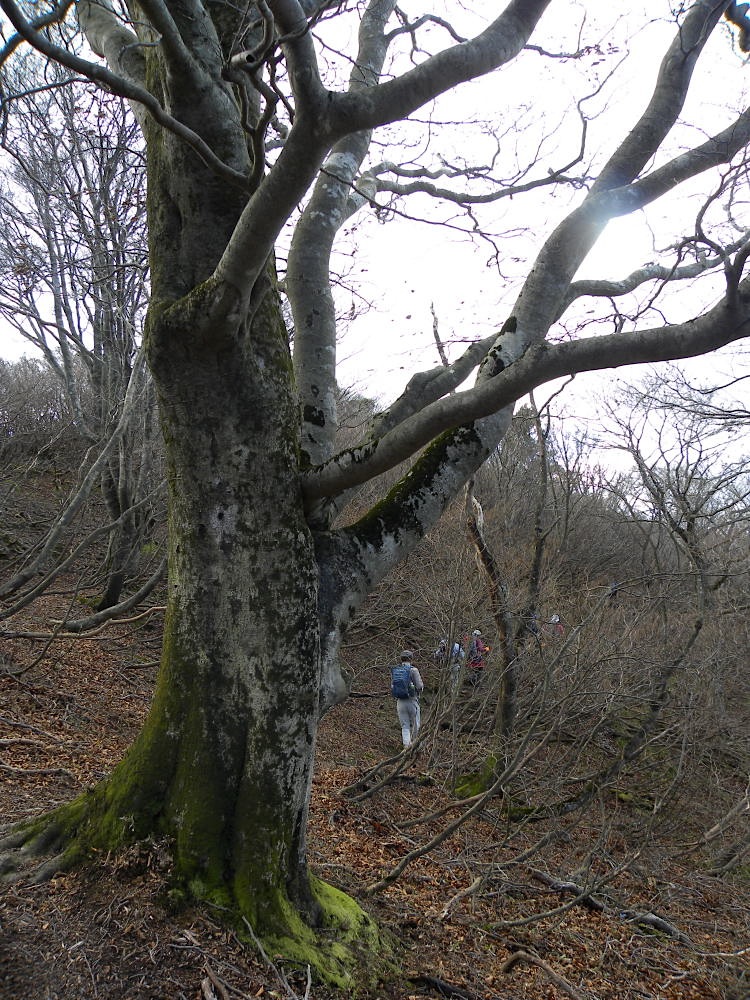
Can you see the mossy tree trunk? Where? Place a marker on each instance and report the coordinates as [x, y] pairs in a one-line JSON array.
[[223, 766], [241, 661]]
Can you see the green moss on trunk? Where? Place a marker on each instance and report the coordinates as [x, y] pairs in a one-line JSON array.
[[345, 950]]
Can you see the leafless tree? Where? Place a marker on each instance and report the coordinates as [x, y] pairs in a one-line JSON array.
[[244, 122], [691, 495], [75, 286]]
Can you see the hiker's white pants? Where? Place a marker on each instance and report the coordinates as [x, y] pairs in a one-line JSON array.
[[409, 716], [455, 675]]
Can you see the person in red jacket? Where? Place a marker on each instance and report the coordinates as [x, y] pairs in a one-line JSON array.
[[476, 657]]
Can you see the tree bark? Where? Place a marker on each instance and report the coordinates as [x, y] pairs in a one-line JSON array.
[[223, 766], [241, 663]]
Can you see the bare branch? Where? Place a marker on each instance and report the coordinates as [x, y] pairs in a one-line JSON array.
[[602, 288], [715, 328], [54, 16], [107, 35]]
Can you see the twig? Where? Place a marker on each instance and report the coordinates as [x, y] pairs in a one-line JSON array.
[[39, 772], [443, 988], [438, 813], [279, 973], [521, 757], [23, 741], [560, 983], [215, 981], [399, 760], [475, 886]]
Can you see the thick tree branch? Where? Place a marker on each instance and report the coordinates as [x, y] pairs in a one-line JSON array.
[[172, 45], [614, 192], [719, 149], [396, 99], [675, 74], [427, 387], [302, 62], [308, 269], [542, 363]]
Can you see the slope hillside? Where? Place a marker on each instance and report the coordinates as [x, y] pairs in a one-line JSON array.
[[652, 925]]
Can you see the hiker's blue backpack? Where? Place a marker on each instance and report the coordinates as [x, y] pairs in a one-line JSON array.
[[401, 684]]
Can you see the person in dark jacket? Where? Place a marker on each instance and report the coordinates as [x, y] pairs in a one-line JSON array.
[[407, 709]]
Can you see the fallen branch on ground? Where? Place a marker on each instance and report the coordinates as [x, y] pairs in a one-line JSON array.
[[559, 982], [658, 923], [582, 894], [443, 988]]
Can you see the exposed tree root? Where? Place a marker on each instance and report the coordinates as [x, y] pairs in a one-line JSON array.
[[331, 949], [23, 846]]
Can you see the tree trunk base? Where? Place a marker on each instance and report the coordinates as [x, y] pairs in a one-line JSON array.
[[345, 949]]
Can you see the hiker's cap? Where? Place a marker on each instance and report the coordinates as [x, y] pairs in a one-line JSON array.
[[407, 654], [476, 632]]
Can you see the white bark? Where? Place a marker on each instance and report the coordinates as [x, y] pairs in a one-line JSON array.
[[308, 271], [717, 327]]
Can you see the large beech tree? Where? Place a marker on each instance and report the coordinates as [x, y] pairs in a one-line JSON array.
[[241, 130]]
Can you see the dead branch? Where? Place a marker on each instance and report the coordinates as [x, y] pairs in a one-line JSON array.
[[583, 896], [212, 980], [520, 759], [35, 772], [658, 923], [443, 988], [26, 725], [439, 813], [22, 741], [559, 982], [475, 886]]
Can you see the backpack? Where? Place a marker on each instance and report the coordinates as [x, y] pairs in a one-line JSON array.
[[401, 683]]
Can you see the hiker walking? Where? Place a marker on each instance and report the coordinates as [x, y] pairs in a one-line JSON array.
[[440, 655], [555, 627], [406, 687], [451, 656], [456, 661], [475, 660]]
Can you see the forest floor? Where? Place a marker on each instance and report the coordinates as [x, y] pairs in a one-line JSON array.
[[659, 928]]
